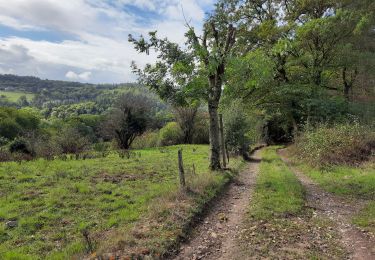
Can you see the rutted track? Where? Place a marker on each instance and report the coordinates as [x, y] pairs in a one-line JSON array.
[[340, 211], [215, 237]]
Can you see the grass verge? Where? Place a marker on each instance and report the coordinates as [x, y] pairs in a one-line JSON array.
[[62, 209], [279, 226]]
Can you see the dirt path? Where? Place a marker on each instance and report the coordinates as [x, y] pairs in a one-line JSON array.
[[215, 237], [359, 244]]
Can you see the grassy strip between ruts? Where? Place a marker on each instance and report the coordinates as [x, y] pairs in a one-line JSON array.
[[128, 207], [352, 182], [279, 226]]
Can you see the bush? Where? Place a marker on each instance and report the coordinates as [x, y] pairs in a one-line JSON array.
[[170, 134], [69, 140], [147, 140], [347, 144], [5, 155], [19, 146], [201, 131], [45, 148], [237, 126]]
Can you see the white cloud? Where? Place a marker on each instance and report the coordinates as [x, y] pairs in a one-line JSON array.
[[82, 76], [95, 33]]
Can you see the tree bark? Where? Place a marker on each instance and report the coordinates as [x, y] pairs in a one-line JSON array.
[[214, 136], [223, 153], [348, 83]]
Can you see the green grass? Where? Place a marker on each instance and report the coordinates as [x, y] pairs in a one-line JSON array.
[[366, 218], [342, 180], [278, 191], [14, 96], [54, 201], [349, 182]]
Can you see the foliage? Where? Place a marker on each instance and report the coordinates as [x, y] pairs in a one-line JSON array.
[[170, 134], [186, 119], [347, 144], [69, 140], [179, 71], [130, 118], [14, 123], [19, 146], [201, 132], [149, 139], [236, 127]]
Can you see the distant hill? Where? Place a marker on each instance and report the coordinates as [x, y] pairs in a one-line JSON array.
[[63, 98], [36, 85], [55, 91]]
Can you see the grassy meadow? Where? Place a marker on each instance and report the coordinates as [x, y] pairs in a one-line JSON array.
[[64, 208], [14, 96]]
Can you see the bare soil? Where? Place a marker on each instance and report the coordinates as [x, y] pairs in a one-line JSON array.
[[216, 236], [359, 244]]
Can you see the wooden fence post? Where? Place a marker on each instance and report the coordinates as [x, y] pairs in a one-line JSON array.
[[223, 150], [181, 172]]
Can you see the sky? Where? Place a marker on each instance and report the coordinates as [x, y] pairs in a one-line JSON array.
[[87, 40]]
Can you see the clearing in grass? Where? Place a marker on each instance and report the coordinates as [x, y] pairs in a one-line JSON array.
[[14, 96]]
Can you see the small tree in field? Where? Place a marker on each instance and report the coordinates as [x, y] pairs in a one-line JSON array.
[[186, 117], [129, 119], [198, 68]]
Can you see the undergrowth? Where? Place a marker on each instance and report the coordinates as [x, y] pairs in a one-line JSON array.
[[341, 144]]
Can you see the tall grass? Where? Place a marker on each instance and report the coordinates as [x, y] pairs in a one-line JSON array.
[[341, 144]]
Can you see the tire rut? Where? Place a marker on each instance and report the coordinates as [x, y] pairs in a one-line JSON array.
[[215, 237], [359, 244]]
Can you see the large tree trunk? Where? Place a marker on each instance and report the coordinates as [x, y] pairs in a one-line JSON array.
[[214, 136], [215, 82]]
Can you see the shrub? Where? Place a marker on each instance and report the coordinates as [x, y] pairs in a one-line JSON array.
[[347, 144], [201, 131], [170, 134], [19, 146], [236, 125], [46, 149], [147, 140], [69, 140], [5, 155]]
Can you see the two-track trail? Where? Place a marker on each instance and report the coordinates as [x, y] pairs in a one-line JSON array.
[[359, 244], [215, 237]]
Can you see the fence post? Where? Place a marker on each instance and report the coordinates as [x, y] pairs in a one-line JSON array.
[[181, 172], [223, 150]]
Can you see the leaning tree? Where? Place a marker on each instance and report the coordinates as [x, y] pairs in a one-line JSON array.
[[196, 69]]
